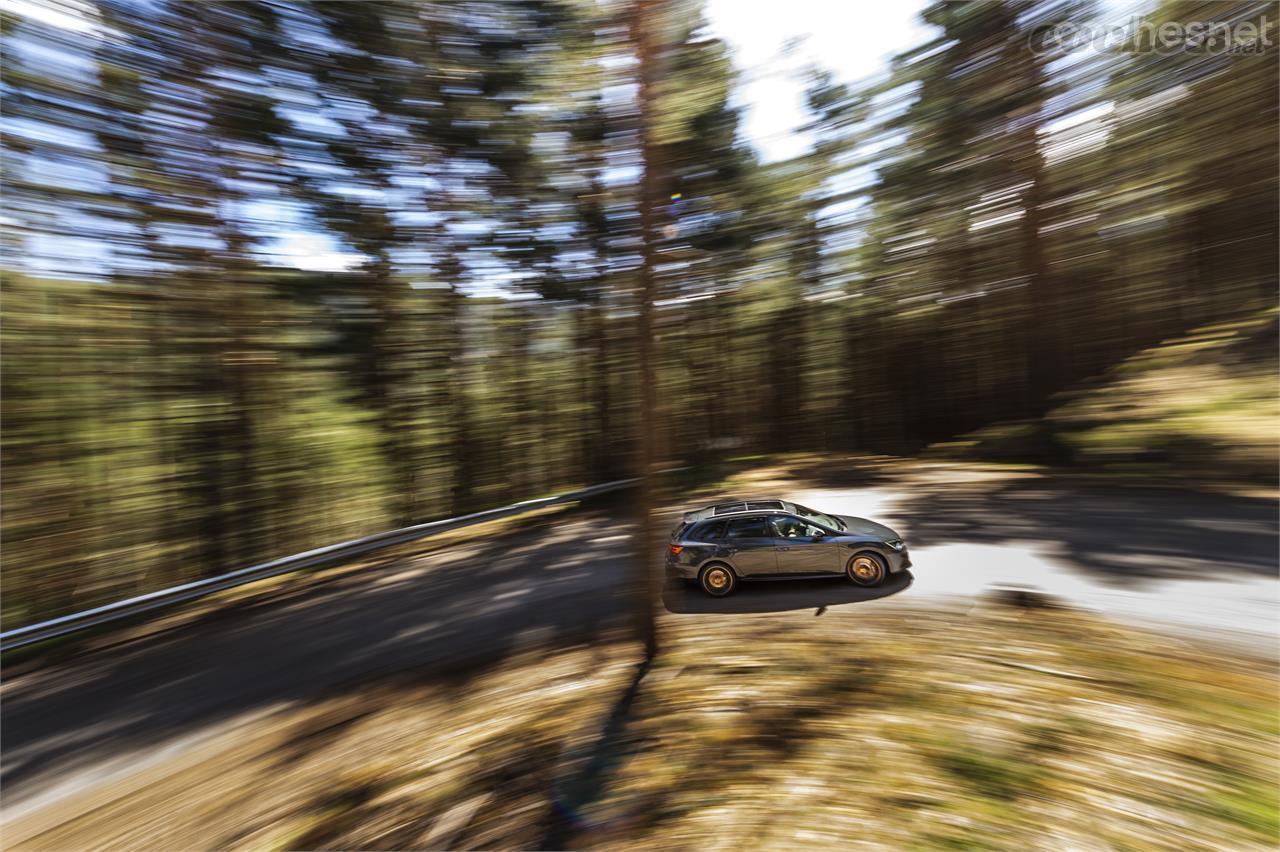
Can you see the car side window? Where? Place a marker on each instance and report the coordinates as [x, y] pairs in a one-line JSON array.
[[787, 526], [711, 531], [749, 528]]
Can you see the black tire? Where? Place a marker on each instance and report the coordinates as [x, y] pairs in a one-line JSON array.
[[866, 569], [717, 579]]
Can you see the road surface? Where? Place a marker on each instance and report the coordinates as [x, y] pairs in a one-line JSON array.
[[1197, 564]]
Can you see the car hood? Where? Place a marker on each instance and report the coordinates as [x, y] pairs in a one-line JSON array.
[[861, 526]]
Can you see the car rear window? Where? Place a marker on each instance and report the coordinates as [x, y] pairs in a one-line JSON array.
[[710, 531]]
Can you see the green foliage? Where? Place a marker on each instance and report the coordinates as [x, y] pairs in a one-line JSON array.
[[975, 232]]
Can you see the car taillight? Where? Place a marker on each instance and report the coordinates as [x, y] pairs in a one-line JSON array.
[[675, 549]]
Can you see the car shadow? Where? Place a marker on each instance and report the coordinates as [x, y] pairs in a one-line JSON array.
[[779, 595]]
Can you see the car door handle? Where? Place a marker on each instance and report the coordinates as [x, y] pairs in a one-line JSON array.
[[784, 548]]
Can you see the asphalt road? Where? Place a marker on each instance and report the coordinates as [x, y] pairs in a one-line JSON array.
[[1197, 564]]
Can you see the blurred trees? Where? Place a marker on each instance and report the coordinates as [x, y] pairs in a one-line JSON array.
[[280, 273]]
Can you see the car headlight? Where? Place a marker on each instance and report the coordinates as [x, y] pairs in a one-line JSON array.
[[895, 543]]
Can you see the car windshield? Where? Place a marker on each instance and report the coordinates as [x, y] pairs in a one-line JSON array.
[[825, 520]]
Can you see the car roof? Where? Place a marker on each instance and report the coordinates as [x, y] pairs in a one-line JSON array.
[[739, 507]]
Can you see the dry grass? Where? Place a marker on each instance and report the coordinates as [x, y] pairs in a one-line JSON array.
[[1003, 728], [1006, 730], [379, 768]]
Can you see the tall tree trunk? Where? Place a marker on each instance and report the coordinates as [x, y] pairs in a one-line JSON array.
[[236, 361], [393, 428], [644, 26], [458, 406], [719, 364], [603, 464], [857, 352], [783, 398], [1043, 370], [528, 456]]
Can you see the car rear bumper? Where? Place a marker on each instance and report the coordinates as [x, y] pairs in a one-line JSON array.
[[677, 570]]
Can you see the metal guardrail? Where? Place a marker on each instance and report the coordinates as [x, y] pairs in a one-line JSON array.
[[130, 607]]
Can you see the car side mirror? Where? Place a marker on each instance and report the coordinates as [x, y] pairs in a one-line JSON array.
[[820, 534]]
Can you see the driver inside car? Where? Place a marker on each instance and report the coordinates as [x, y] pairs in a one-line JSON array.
[[788, 529]]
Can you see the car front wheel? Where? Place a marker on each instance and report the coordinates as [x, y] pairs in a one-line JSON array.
[[717, 580], [866, 569]]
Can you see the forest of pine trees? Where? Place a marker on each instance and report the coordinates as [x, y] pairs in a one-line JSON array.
[[968, 235]]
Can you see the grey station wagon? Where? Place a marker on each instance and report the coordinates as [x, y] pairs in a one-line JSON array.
[[768, 539]]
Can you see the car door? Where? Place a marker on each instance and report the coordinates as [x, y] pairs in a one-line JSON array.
[[802, 547], [749, 546]]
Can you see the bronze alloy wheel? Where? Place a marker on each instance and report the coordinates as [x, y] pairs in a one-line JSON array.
[[717, 580], [866, 569]]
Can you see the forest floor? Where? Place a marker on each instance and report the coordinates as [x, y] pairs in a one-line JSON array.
[[482, 695], [1001, 728]]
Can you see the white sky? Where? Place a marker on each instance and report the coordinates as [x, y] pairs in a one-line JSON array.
[[855, 39]]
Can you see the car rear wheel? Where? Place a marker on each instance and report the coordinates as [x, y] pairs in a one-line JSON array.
[[717, 580], [866, 569]]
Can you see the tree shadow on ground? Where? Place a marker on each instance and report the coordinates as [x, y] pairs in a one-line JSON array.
[[779, 595], [570, 795], [1123, 535], [465, 610]]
